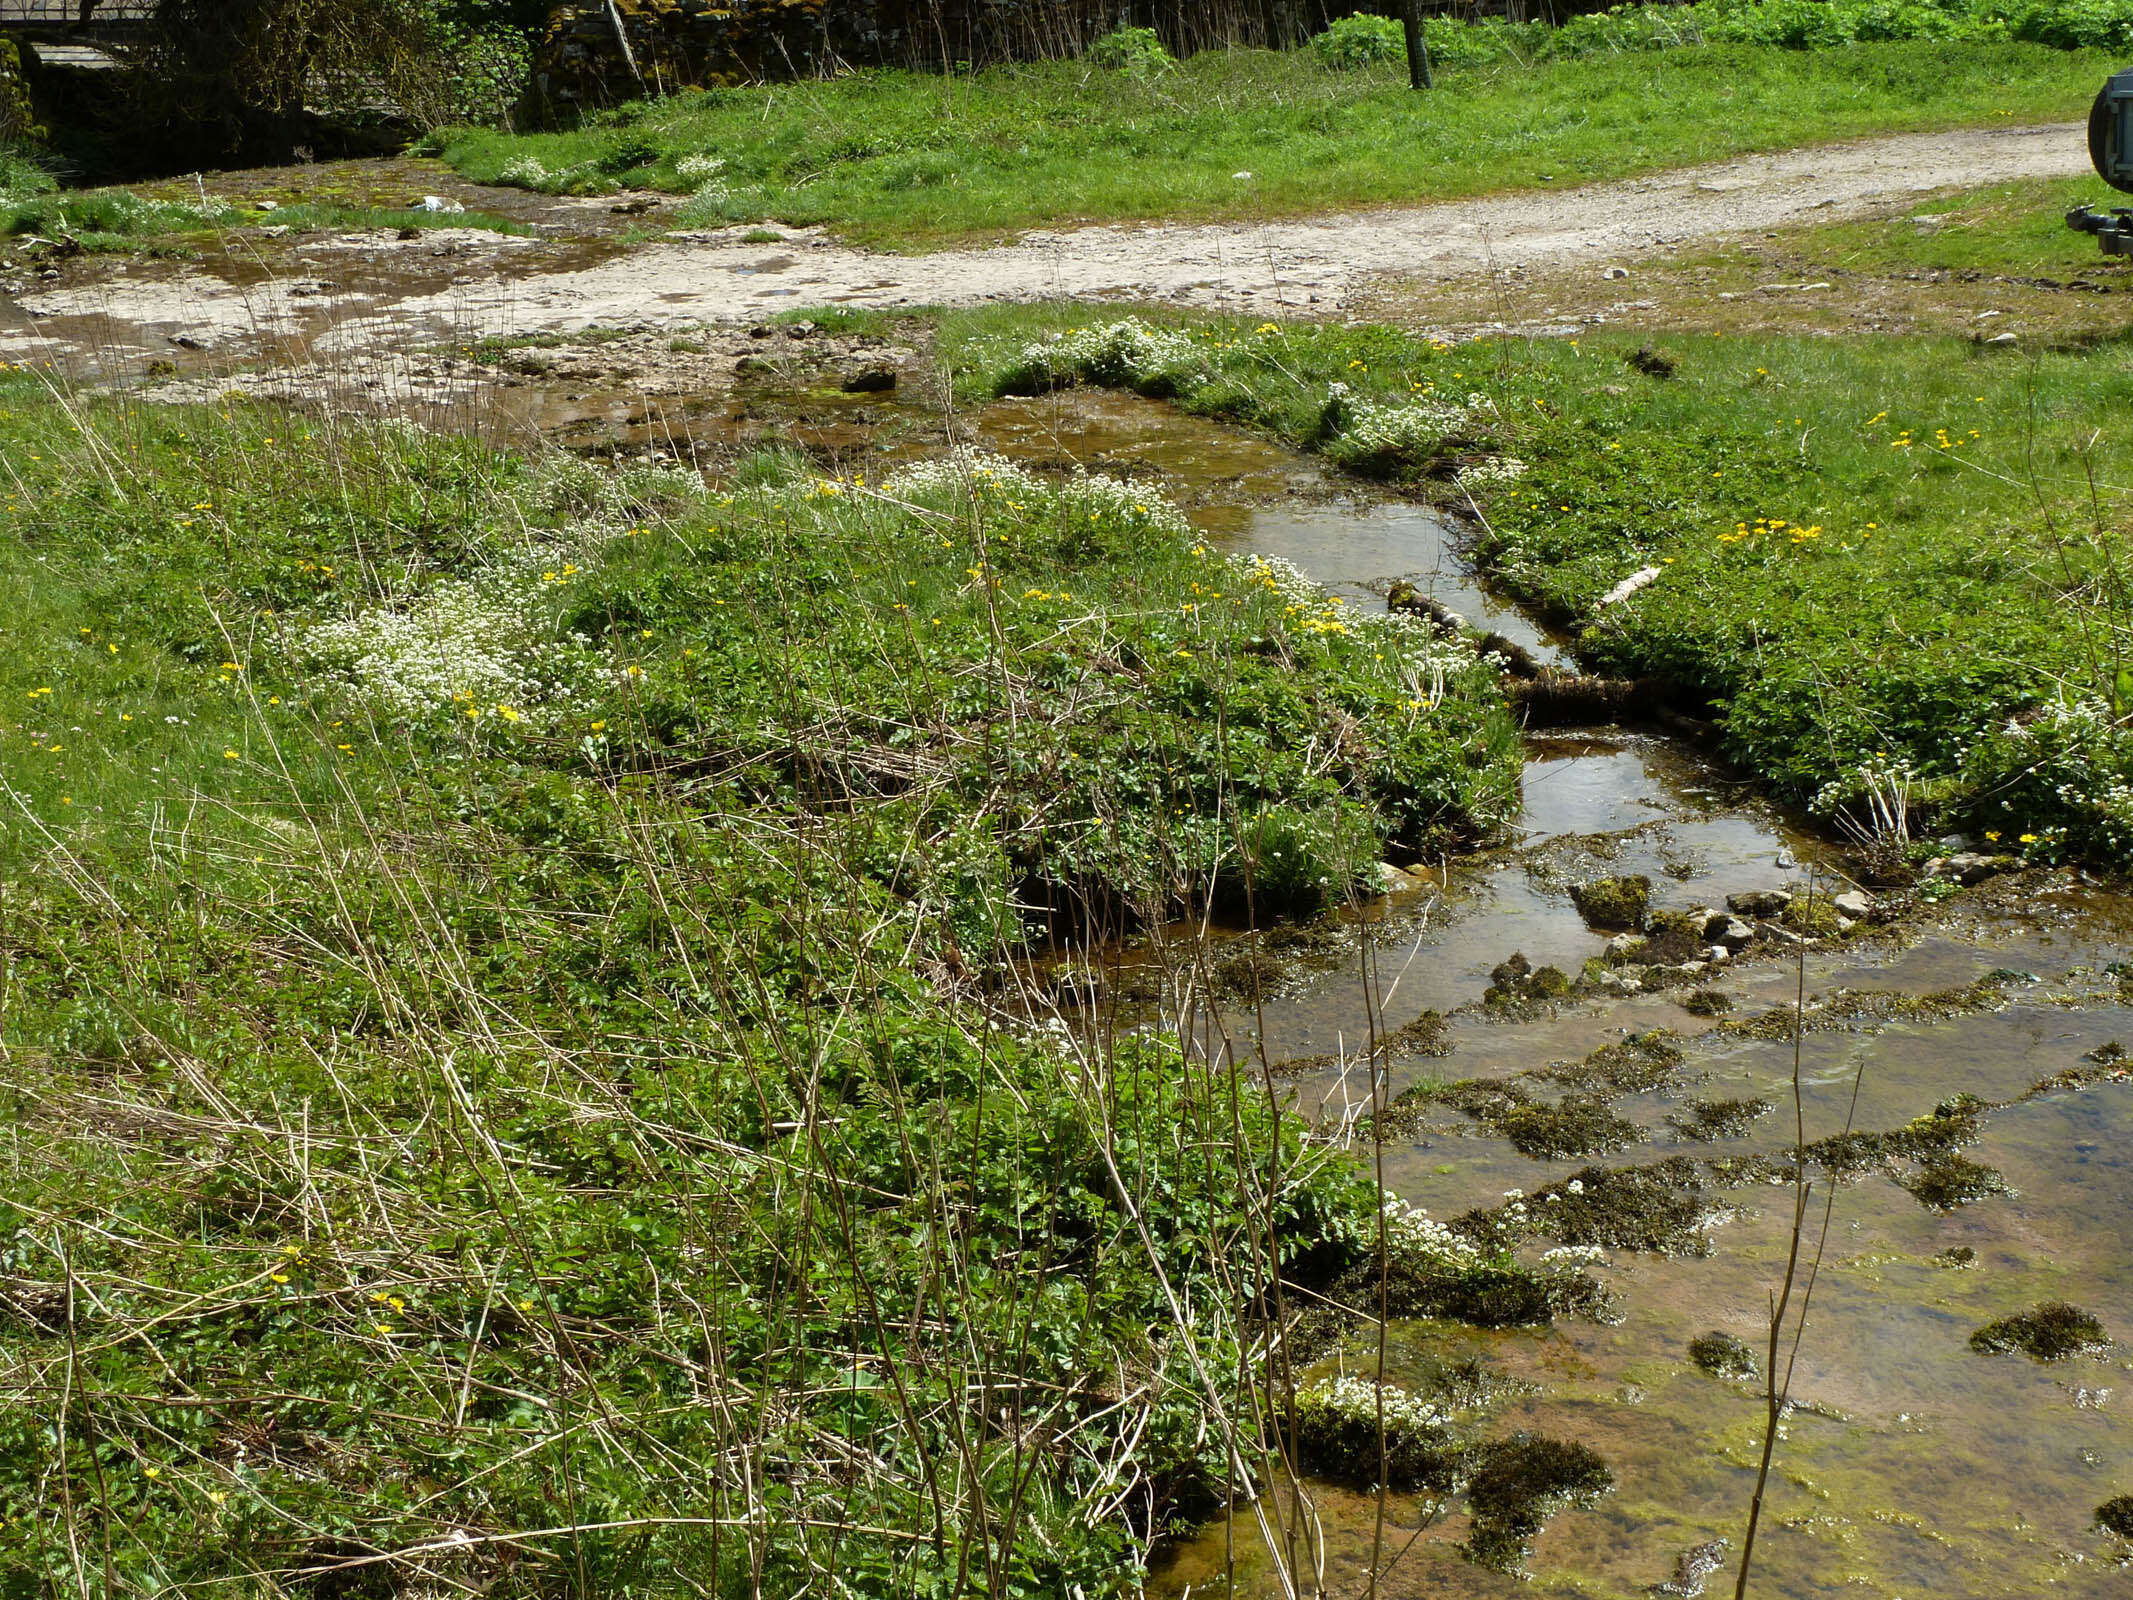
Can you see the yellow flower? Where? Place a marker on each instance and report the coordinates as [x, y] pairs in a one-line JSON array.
[[229, 755], [2029, 838], [278, 1277], [1993, 834]]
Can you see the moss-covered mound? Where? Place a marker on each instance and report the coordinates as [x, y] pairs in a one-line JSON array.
[[2052, 1331]]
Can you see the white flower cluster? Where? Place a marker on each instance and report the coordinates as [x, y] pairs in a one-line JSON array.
[[468, 644], [1128, 352], [701, 172], [1412, 1235], [530, 172], [1373, 432], [947, 483], [944, 481], [1497, 469], [1092, 497], [1355, 1400], [1574, 1255]]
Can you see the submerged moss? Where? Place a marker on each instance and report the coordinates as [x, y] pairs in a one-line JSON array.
[[1639, 1064], [1718, 1119], [1956, 1256], [1517, 1485], [1933, 1137], [2116, 1516], [2052, 1331], [1707, 1003], [1662, 1208], [1948, 1181], [1724, 1356], [1613, 903]]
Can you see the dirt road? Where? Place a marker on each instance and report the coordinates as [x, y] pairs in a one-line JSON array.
[[369, 292]]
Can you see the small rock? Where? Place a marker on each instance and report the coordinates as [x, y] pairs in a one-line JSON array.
[[1952, 842], [800, 330], [438, 203], [185, 341], [1626, 946], [405, 235], [1786, 861], [1729, 932], [762, 330], [1615, 273], [2001, 339], [1759, 902], [1397, 880], [1717, 955], [752, 364], [1968, 867], [870, 380], [1853, 904]]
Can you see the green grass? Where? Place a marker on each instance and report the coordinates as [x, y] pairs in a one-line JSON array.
[[2016, 229], [910, 161], [509, 1010], [1882, 561]]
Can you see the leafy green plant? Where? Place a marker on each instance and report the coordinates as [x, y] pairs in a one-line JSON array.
[[1362, 40], [1137, 52]]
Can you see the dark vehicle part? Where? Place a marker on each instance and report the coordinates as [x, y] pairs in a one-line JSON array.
[[2111, 150]]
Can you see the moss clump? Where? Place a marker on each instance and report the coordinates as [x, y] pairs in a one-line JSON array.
[[1946, 1182], [1577, 1125], [1517, 1485], [2052, 1331], [1811, 914], [1723, 1356], [1431, 1270], [2116, 1516], [1718, 1119], [1580, 1125], [1639, 1064], [1613, 903], [1518, 982], [1956, 1257], [1662, 1208], [1707, 1003], [1933, 1137]]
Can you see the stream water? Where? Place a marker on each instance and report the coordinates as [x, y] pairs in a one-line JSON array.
[[1909, 1465]]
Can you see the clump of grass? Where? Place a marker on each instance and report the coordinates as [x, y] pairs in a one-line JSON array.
[[1518, 1485]]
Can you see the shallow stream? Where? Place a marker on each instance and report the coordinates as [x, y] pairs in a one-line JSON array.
[[1909, 1465]]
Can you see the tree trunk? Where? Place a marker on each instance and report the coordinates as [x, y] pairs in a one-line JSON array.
[[1418, 73]]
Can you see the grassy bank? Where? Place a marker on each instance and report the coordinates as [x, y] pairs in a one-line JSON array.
[[1891, 568], [907, 161], [511, 1070]]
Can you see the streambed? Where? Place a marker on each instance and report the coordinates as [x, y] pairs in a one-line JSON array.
[[1910, 1465]]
